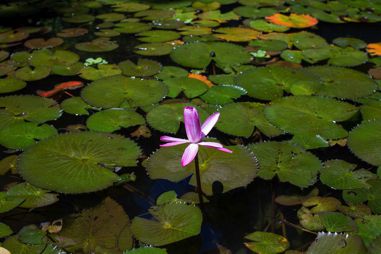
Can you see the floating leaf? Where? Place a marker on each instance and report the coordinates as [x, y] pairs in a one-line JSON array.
[[38, 43], [8, 203], [107, 33], [312, 120], [118, 91], [9, 85], [289, 162], [214, 166], [70, 70], [294, 20], [223, 94], [266, 243], [333, 243], [5, 230], [253, 12], [102, 71], [155, 36], [153, 49], [240, 119], [111, 120], [13, 36], [191, 87], [130, 7], [339, 174], [336, 222], [364, 141], [29, 74], [172, 222], [72, 32], [347, 57], [236, 34], [171, 72], [218, 16], [75, 106], [8, 164], [369, 229], [143, 68], [86, 231], [349, 42], [269, 45], [132, 27], [167, 117], [85, 159], [46, 57], [199, 55], [111, 17], [97, 45], [264, 26]]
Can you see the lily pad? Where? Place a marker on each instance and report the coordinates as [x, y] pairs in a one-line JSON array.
[[32, 74], [199, 55], [21, 135], [70, 70], [191, 87], [223, 94], [241, 119], [132, 27], [107, 33], [72, 32], [264, 26], [289, 162], [253, 12], [8, 85], [86, 232], [218, 16], [85, 159], [155, 36], [130, 7], [347, 57], [111, 17], [38, 43], [75, 106], [334, 243], [349, 42], [143, 68], [236, 34], [266, 243], [364, 141], [102, 71], [46, 57], [13, 36], [102, 44], [111, 120], [311, 119], [172, 222], [294, 20], [167, 117], [340, 175], [234, 170], [154, 49], [269, 45], [8, 203], [5, 230], [171, 72], [118, 91]]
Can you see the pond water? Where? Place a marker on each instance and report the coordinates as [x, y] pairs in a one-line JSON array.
[[88, 88]]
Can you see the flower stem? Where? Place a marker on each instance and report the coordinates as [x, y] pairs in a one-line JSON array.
[[198, 178]]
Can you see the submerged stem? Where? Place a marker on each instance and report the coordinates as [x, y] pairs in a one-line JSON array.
[[198, 178]]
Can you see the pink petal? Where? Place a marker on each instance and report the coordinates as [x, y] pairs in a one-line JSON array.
[[211, 144], [192, 124], [189, 154], [209, 123], [172, 139], [173, 143], [224, 150]]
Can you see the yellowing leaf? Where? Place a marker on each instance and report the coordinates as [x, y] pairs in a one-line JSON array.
[[294, 20], [374, 49], [237, 34], [202, 78]]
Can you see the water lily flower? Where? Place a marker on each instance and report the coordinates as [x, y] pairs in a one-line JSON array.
[[195, 133]]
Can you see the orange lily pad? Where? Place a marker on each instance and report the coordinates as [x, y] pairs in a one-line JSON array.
[[39, 43], [293, 21], [202, 78], [72, 32], [374, 49]]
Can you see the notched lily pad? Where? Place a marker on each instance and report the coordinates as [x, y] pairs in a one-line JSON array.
[[143, 68], [266, 243], [102, 71], [97, 45], [32, 74], [8, 85], [75, 106], [85, 159], [191, 87], [38, 43]]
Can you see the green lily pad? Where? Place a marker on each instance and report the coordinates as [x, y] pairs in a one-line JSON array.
[[173, 221], [195, 30], [5, 230], [3, 55], [8, 164], [72, 32], [199, 55], [39, 43], [240, 119], [340, 175], [236, 34], [75, 106], [154, 49], [102, 71], [191, 87], [269, 45], [130, 7], [223, 94], [371, 110], [364, 141], [369, 229], [13, 36], [171, 72], [21, 135], [101, 44], [143, 68], [107, 33], [8, 203], [79, 18], [289, 162], [33, 197], [347, 57], [85, 159], [132, 27], [117, 91], [111, 17], [29, 108], [218, 16], [254, 12], [155, 15], [32, 74], [312, 120], [371, 195], [266, 243], [86, 232], [111, 120], [341, 82], [20, 58], [214, 166], [292, 56], [155, 36], [46, 57], [307, 40], [146, 250], [336, 222], [264, 26], [9, 85], [350, 42], [167, 117], [333, 243], [70, 70]]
